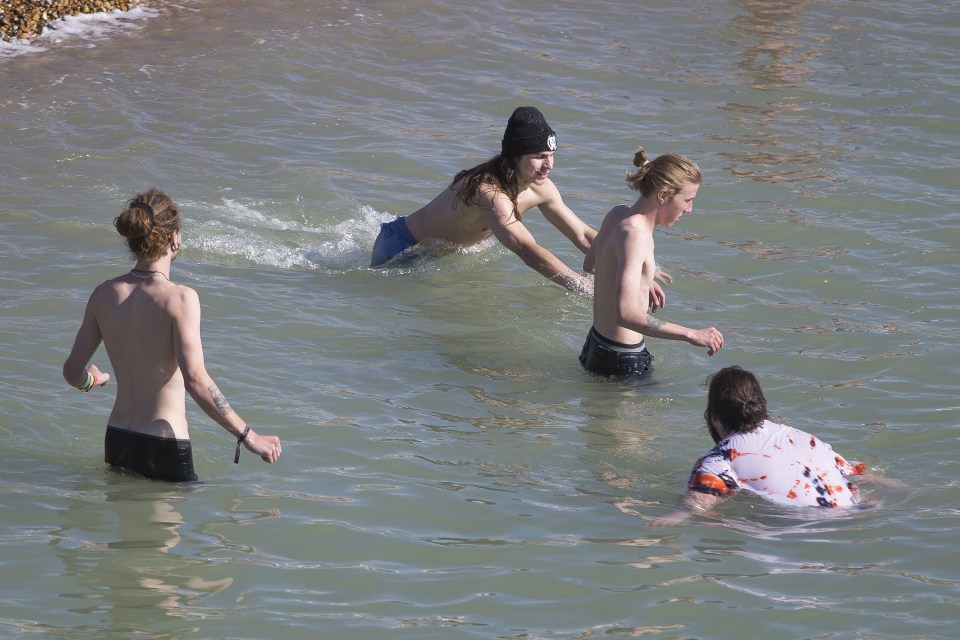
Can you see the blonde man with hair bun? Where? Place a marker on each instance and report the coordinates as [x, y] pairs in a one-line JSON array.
[[622, 260]]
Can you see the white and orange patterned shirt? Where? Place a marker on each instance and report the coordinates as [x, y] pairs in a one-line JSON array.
[[784, 464]]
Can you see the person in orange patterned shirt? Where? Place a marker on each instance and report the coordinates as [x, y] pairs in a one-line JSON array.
[[781, 463]]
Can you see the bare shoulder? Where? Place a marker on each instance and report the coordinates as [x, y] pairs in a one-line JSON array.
[[618, 221], [634, 227], [547, 187], [489, 194], [493, 201], [610, 223], [630, 238], [109, 293], [105, 289], [179, 300], [543, 193], [616, 214], [184, 294]]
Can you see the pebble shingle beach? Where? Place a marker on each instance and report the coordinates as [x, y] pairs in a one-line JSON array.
[[20, 19]]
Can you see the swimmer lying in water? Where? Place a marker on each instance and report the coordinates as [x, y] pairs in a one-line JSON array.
[[781, 463], [752, 453]]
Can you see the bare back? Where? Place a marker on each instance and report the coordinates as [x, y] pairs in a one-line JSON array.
[[138, 321], [448, 218]]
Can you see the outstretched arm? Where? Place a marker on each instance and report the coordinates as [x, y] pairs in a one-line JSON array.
[[557, 213], [201, 386], [692, 502], [512, 234]]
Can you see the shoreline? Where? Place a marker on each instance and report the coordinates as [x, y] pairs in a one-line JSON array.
[[25, 19]]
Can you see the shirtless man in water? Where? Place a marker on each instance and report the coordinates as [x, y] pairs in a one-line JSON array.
[[151, 329], [490, 199], [622, 258]]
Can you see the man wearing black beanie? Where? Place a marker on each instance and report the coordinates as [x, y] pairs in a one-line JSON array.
[[490, 199]]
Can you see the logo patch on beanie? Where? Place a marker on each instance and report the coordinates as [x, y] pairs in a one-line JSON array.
[[552, 142]]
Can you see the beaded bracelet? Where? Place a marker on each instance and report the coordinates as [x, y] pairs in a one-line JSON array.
[[240, 440]]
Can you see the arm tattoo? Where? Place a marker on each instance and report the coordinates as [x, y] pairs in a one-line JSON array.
[[654, 323], [220, 401]]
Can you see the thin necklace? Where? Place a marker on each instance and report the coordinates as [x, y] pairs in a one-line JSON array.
[[147, 275]]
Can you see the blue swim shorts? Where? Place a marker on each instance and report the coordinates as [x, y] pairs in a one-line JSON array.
[[394, 239]]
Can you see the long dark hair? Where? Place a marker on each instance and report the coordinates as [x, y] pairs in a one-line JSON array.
[[499, 172]]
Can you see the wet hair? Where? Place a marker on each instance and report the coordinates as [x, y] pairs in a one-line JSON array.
[[736, 400], [499, 171], [149, 223], [669, 172]]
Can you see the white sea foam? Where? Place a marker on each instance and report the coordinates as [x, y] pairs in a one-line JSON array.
[[80, 30], [250, 232], [254, 232]]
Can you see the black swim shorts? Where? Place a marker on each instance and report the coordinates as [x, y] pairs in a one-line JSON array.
[[157, 458], [608, 358]]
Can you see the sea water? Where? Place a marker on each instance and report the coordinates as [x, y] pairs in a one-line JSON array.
[[449, 471]]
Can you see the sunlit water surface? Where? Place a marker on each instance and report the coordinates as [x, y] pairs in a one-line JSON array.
[[448, 470]]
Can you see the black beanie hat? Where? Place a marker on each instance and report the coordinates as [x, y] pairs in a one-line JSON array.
[[527, 132]]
